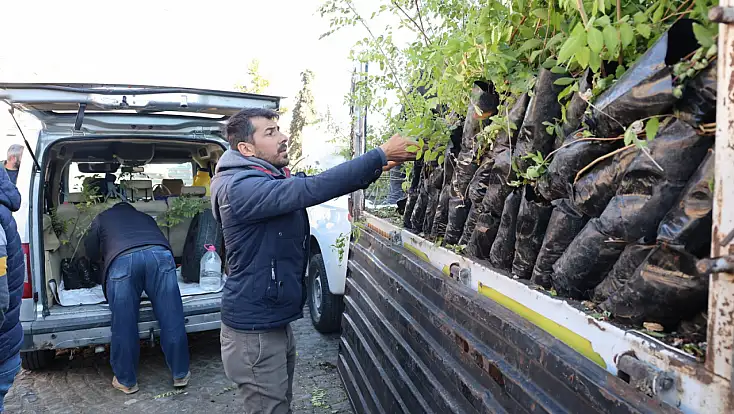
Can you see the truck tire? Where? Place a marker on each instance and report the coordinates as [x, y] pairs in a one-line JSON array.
[[204, 229], [37, 360], [325, 307]]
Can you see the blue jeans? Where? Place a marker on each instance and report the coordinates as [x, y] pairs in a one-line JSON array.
[[8, 370], [151, 269]]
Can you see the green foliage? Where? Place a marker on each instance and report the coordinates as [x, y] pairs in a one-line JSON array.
[[182, 208], [257, 83], [304, 113], [531, 175]]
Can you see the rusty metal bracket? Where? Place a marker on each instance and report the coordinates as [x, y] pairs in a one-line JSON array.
[[460, 274], [724, 264], [723, 15], [648, 379], [396, 237]]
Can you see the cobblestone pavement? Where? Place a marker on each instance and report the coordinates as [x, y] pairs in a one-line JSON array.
[[82, 384]]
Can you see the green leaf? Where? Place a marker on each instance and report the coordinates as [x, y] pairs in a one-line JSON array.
[[644, 30], [530, 44], [627, 34], [603, 21], [441, 160], [651, 128], [411, 148], [549, 63], [704, 37], [611, 39], [541, 13], [459, 77], [559, 70], [596, 40], [620, 71], [659, 12], [572, 46], [629, 136], [565, 93], [419, 154], [535, 55], [582, 56], [564, 81], [640, 17], [595, 62]]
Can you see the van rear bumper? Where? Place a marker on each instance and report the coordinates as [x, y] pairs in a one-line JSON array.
[[86, 330]]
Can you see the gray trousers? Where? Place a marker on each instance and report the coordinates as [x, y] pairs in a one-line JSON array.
[[262, 365]]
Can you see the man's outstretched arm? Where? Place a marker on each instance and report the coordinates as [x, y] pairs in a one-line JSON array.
[[256, 198]]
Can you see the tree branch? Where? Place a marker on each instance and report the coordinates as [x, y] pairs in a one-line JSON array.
[[418, 26]]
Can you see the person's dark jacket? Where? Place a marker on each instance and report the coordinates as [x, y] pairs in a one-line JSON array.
[[12, 174], [11, 332], [266, 232], [118, 229]]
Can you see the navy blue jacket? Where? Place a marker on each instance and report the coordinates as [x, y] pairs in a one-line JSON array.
[[118, 229], [11, 332], [266, 232]]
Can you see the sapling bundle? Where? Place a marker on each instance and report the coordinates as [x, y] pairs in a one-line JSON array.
[[532, 221], [441, 218]]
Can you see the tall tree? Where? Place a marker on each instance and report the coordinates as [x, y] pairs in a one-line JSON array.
[[257, 83], [304, 114]]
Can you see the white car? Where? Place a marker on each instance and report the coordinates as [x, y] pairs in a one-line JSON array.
[[125, 129]]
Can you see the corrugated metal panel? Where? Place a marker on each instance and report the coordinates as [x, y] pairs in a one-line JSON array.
[[415, 341]]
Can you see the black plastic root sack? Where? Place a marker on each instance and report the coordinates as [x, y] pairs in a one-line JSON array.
[[693, 209], [630, 259], [435, 180], [477, 190], [646, 192], [532, 221], [503, 248], [567, 161], [665, 289], [421, 205], [413, 191], [484, 234], [586, 262], [484, 100], [564, 225], [646, 88], [594, 189], [698, 104], [441, 217], [78, 273], [576, 108], [501, 173], [543, 107]]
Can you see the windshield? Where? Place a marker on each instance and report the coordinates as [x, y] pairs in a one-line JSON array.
[[154, 172]]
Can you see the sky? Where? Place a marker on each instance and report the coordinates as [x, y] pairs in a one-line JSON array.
[[162, 42]]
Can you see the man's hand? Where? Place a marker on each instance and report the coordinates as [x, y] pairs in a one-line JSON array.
[[396, 149]]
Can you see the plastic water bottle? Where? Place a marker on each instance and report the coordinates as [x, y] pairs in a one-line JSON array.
[[210, 273]]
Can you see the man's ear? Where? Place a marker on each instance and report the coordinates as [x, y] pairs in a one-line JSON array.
[[246, 149]]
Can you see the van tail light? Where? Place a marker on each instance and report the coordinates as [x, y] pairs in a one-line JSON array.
[[27, 285]]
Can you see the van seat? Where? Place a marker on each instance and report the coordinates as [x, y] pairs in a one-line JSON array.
[[136, 189]]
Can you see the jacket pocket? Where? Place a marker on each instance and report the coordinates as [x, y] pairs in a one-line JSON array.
[[272, 292]]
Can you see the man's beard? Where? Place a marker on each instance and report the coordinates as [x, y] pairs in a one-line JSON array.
[[276, 161], [16, 165]]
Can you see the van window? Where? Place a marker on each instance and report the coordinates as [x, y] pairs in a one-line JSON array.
[[154, 172]]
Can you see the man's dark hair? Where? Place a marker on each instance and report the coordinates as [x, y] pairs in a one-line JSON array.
[[239, 127]]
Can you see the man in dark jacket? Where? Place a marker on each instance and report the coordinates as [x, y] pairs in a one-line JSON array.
[[12, 276], [266, 235], [137, 257]]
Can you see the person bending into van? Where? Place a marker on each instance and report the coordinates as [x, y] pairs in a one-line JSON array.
[[12, 163], [12, 276], [137, 257], [262, 209]]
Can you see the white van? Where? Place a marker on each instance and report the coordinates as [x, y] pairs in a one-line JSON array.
[[148, 143]]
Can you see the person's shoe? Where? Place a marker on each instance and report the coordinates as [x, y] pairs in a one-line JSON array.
[[126, 390], [182, 382]]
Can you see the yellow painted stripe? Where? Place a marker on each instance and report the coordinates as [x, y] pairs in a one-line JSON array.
[[3, 265], [577, 342], [446, 270], [417, 252]]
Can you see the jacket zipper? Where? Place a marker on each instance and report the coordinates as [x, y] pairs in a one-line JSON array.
[[272, 269]]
